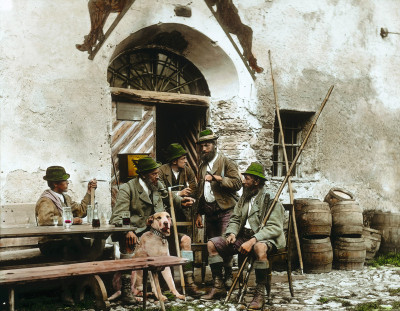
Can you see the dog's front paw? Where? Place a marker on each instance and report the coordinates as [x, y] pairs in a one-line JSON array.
[[182, 297], [163, 298]]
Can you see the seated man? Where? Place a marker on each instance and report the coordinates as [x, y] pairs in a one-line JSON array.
[[51, 203], [243, 235], [142, 196]]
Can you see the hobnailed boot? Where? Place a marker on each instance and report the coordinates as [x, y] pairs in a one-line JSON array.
[[66, 296], [261, 280], [228, 278], [191, 287], [218, 290], [258, 299], [126, 290]]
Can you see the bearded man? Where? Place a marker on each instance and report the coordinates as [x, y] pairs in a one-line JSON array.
[[219, 180], [244, 235]]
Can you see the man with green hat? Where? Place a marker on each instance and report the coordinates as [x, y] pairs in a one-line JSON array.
[[244, 235], [50, 206], [177, 172], [219, 180]]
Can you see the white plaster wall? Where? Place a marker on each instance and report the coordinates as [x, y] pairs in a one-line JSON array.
[[55, 103]]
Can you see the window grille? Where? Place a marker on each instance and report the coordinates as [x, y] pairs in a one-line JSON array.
[[156, 70], [293, 124]]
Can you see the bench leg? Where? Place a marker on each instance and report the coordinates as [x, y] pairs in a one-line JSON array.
[[145, 276], [11, 299], [158, 289], [95, 283]]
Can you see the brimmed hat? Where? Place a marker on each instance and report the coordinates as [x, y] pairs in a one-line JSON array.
[[56, 173], [174, 151], [206, 135], [146, 164], [255, 169]]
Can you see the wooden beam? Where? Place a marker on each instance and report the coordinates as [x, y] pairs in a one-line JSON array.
[[160, 97]]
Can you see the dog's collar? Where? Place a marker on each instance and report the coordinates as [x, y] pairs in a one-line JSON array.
[[158, 233]]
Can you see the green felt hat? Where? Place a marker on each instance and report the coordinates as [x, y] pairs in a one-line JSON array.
[[174, 151], [255, 169], [146, 164], [206, 135], [56, 173]]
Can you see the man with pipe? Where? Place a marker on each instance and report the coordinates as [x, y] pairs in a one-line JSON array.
[[176, 173], [141, 197], [219, 180], [243, 234]]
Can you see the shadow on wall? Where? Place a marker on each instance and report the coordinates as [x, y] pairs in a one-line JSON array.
[[216, 66]]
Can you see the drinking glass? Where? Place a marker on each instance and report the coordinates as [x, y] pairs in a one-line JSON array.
[[107, 216], [126, 219], [67, 217], [89, 214], [55, 220]]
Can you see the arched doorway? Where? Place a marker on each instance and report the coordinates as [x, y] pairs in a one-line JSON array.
[[159, 97]]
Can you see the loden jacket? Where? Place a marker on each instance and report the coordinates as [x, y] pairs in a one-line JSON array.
[[272, 231]]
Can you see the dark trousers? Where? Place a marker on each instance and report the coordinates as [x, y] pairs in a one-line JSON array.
[[217, 219]]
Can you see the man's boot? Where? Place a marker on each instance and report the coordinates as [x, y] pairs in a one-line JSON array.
[[259, 295], [191, 287], [218, 290], [127, 296], [66, 296], [228, 278]]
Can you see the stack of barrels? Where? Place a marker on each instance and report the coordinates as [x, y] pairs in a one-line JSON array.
[[347, 227], [314, 222], [338, 218]]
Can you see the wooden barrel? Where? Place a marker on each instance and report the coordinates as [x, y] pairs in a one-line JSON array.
[[314, 219], [349, 253], [389, 225], [347, 218], [336, 195], [372, 240], [300, 202], [317, 255]]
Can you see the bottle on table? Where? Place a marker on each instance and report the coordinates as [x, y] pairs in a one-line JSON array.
[[96, 219]]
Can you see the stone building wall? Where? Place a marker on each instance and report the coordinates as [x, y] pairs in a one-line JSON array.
[[56, 104]]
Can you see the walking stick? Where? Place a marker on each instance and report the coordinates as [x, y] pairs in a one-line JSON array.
[[288, 173], [178, 251], [278, 114]]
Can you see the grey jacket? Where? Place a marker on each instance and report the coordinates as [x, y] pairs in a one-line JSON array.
[[272, 231], [133, 198]]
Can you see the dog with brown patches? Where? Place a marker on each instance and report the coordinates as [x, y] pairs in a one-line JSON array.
[[152, 243]]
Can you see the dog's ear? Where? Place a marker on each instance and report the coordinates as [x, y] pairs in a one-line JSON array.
[[150, 220]]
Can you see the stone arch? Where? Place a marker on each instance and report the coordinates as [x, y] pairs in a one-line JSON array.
[[216, 66]]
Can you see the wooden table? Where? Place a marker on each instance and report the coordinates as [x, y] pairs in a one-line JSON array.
[[40, 231]]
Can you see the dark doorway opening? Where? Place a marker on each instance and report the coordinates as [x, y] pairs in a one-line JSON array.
[[179, 124]]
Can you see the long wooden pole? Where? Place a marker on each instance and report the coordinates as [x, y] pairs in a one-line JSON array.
[[288, 173], [278, 114], [178, 251]]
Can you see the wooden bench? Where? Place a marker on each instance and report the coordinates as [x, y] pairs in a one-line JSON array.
[[11, 278]]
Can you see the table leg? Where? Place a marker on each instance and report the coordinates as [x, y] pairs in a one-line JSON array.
[[11, 295], [145, 275], [158, 289]]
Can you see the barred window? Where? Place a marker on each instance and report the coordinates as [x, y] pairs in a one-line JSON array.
[[293, 123]]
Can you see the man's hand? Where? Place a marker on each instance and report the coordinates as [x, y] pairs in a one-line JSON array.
[[77, 221], [131, 239], [187, 202], [247, 246], [210, 178], [199, 222], [185, 192], [231, 239], [92, 184]]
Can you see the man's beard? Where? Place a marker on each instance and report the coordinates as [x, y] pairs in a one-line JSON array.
[[207, 157], [152, 187], [249, 192]]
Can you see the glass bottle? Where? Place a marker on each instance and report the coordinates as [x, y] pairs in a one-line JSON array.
[[67, 217], [96, 219]]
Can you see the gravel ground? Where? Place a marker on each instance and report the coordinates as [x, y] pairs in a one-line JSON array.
[[336, 290]]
